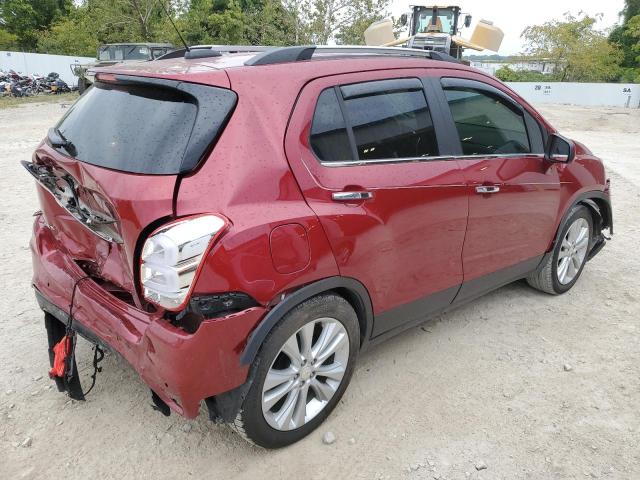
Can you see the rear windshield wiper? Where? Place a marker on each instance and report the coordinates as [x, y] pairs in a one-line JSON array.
[[58, 140]]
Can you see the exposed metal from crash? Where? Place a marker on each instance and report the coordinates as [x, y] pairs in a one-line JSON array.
[[64, 190]]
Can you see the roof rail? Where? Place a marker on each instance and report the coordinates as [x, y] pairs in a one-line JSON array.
[[234, 48], [203, 51], [308, 52]]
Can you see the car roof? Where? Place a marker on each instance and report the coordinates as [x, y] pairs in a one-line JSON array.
[[181, 68]]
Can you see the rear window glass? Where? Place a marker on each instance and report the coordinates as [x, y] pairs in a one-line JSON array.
[[138, 129]]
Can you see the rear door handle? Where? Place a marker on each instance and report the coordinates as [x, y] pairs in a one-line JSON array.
[[487, 189], [351, 196]]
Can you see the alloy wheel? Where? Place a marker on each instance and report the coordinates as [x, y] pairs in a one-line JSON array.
[[573, 251], [305, 374]]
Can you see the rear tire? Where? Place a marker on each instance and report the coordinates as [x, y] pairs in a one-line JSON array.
[[565, 264], [321, 335]]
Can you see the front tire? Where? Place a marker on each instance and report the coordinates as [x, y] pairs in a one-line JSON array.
[[300, 373], [564, 266]]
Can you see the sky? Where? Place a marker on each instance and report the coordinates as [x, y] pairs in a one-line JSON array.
[[513, 16]]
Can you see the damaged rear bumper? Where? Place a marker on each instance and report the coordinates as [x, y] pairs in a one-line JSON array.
[[181, 368]]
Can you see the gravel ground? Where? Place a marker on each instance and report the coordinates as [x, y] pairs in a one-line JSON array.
[[515, 385]]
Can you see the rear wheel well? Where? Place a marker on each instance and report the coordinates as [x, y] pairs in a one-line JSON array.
[[350, 289], [225, 406], [357, 304]]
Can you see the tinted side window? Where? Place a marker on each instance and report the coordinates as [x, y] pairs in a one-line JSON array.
[[391, 124], [329, 138], [486, 124]]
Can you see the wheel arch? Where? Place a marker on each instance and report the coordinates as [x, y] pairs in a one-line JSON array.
[[599, 205], [350, 289], [224, 407]]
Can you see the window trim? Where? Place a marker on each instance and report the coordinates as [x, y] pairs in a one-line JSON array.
[[455, 82], [412, 84], [351, 137], [367, 89], [361, 163]]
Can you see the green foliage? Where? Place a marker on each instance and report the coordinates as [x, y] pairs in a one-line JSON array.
[[631, 9], [342, 20], [626, 37], [630, 75], [8, 41], [273, 23], [69, 36], [78, 27], [204, 20], [125, 20], [363, 14], [580, 53], [26, 18], [279, 22], [226, 26], [507, 74]]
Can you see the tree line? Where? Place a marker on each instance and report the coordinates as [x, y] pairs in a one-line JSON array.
[[66, 27], [578, 50]]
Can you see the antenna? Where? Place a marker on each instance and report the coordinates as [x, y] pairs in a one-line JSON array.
[[174, 26]]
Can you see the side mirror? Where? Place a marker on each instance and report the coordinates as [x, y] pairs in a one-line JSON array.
[[467, 21], [559, 149], [403, 19]]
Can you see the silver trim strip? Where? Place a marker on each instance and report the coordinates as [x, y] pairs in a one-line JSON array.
[[351, 196], [233, 48], [487, 189], [351, 163]]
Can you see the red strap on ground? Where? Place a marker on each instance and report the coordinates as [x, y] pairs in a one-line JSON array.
[[60, 352]]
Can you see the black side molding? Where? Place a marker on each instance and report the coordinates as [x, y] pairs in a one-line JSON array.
[[594, 200], [356, 293]]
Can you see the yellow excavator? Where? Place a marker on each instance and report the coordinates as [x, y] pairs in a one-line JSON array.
[[435, 28]]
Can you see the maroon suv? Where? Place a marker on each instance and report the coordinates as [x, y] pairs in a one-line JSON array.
[[240, 227]]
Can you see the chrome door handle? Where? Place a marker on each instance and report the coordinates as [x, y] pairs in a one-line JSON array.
[[487, 189], [351, 196]]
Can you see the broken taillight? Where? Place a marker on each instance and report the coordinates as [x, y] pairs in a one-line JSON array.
[[171, 258]]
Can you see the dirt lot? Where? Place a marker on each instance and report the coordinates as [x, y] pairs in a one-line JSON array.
[[483, 384]]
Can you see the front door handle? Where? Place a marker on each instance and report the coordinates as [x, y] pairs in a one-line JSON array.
[[487, 189], [351, 196]]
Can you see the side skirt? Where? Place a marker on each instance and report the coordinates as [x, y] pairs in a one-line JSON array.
[[479, 286], [415, 313], [412, 312]]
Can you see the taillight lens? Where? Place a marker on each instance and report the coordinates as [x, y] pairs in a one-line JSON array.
[[171, 258]]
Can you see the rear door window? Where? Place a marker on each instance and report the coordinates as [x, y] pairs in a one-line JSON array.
[[329, 139], [487, 124], [146, 128], [380, 120]]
